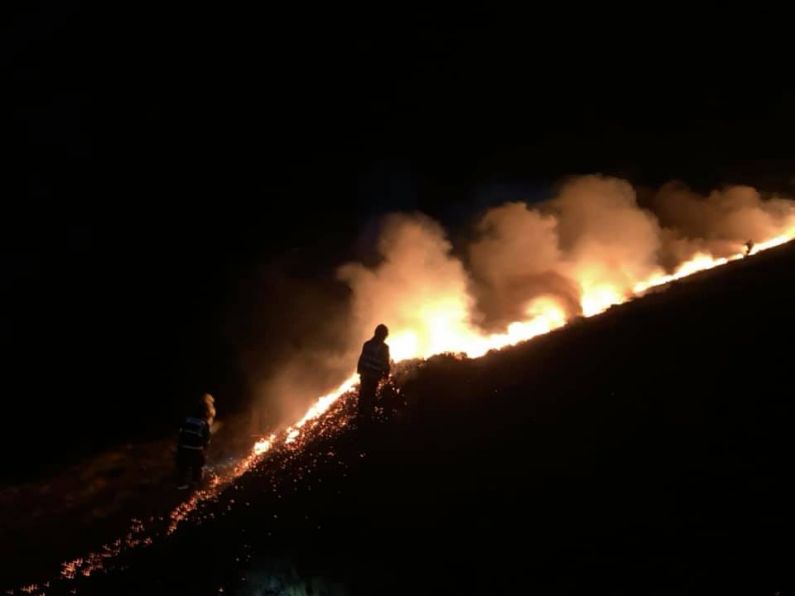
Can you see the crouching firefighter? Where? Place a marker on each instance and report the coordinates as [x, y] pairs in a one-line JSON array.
[[373, 367], [194, 437]]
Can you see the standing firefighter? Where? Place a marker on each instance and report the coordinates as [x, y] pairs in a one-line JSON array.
[[194, 437], [372, 368]]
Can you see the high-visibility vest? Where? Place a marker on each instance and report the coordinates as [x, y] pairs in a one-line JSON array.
[[374, 359], [194, 434]]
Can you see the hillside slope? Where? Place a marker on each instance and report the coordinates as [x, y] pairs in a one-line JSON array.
[[644, 451]]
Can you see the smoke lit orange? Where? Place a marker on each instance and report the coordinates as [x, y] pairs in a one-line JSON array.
[[605, 249]]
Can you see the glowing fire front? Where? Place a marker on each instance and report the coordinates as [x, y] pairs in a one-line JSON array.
[[587, 250], [444, 332], [441, 334]]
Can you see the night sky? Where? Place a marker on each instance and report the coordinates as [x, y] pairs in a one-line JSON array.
[[160, 161]]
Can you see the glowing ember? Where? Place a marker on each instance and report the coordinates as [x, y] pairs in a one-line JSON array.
[[444, 332], [264, 445], [443, 327], [323, 403]]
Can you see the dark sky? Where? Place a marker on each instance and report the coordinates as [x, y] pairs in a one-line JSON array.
[[158, 155]]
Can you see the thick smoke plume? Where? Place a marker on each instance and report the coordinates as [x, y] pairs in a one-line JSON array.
[[418, 285], [586, 248], [529, 268]]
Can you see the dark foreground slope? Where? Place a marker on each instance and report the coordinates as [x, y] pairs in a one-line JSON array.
[[645, 451]]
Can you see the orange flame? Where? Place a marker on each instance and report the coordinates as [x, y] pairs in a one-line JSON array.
[[446, 331], [445, 328]]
